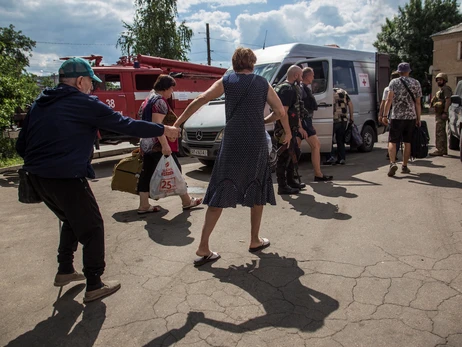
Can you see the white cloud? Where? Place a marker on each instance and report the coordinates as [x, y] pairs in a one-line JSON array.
[[185, 5]]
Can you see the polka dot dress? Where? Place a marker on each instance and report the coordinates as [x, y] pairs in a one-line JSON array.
[[241, 174]]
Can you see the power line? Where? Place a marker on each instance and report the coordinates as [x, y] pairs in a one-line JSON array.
[[75, 44]]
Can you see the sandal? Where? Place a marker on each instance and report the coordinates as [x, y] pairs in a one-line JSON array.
[[214, 256], [264, 244], [194, 202], [151, 209]]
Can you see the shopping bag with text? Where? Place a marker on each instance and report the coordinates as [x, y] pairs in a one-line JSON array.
[[167, 180]]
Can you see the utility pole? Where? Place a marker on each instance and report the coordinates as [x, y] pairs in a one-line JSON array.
[[207, 33]]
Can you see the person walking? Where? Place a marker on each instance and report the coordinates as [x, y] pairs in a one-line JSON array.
[[310, 105], [441, 102], [342, 106], [394, 75], [241, 174], [154, 148], [56, 142], [404, 101]]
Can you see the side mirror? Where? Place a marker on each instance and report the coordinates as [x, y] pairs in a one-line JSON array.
[[456, 99]]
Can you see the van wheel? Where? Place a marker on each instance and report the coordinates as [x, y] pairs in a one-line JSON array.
[[208, 163], [368, 139], [453, 143]]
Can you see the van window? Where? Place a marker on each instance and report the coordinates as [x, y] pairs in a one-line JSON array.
[[110, 82], [321, 74], [266, 70], [145, 81], [281, 74], [344, 76]]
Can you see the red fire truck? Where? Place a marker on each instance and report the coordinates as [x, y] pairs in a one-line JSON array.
[[127, 83]]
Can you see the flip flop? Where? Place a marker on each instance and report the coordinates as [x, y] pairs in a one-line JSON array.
[[151, 209], [214, 256], [194, 202], [264, 244]]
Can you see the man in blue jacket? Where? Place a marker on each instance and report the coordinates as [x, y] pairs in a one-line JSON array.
[[56, 142]]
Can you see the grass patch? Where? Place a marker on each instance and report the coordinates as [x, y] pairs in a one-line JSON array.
[[5, 162]]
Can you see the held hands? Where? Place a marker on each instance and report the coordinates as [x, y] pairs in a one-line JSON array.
[[166, 150], [171, 131]]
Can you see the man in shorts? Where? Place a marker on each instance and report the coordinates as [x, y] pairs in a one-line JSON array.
[[310, 105], [404, 100]]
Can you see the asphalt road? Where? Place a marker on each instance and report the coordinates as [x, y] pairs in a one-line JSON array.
[[365, 260]]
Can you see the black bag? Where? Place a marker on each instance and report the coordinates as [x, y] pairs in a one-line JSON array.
[[420, 140], [26, 191]]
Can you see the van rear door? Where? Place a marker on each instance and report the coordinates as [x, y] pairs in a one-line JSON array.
[[322, 88]]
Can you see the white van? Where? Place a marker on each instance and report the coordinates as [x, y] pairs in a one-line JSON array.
[[363, 75]]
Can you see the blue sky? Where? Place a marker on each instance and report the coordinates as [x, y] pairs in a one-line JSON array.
[[78, 27]]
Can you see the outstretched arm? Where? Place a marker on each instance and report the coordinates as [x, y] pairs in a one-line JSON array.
[[213, 92]]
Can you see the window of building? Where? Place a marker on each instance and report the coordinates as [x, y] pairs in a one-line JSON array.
[[459, 51]]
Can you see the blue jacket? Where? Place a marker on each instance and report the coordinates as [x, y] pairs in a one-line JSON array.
[[58, 134]]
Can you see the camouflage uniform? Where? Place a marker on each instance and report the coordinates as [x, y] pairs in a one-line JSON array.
[[438, 102]]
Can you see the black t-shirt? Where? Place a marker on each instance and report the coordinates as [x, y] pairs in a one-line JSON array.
[[309, 101], [289, 98]]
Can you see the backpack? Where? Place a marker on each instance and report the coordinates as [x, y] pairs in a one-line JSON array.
[[145, 112], [420, 140]]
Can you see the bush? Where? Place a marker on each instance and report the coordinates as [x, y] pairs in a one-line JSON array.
[[8, 154]]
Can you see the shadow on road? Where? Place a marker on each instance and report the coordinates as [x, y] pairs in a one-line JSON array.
[[59, 329], [275, 283], [9, 179], [166, 232], [430, 179], [308, 206]]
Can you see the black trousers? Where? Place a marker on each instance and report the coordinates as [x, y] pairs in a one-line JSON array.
[[73, 202]]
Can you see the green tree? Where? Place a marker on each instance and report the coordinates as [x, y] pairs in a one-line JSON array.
[[155, 31], [407, 36]]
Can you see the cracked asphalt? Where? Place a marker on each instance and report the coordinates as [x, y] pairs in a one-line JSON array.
[[365, 260]]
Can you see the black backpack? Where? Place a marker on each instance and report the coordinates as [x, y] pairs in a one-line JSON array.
[[420, 140]]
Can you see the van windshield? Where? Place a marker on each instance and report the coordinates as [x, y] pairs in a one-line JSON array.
[[265, 70]]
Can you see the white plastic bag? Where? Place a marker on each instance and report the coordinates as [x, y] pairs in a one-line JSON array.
[[167, 180], [269, 142]]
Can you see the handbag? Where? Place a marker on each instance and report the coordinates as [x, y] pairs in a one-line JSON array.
[[127, 172], [26, 192], [167, 180]]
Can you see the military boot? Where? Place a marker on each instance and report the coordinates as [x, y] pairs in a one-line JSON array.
[[292, 182]]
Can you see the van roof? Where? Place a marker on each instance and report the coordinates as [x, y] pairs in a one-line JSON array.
[[274, 54]]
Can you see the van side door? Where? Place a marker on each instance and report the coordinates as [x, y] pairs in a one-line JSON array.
[[322, 88]]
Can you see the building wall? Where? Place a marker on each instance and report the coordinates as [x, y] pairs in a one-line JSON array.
[[447, 58]]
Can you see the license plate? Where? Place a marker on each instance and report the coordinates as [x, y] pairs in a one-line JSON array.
[[199, 152]]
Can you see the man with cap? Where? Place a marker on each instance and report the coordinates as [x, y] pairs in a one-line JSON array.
[[56, 142], [404, 101], [441, 102]]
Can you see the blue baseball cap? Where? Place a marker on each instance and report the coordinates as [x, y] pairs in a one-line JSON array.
[[404, 67], [76, 67]]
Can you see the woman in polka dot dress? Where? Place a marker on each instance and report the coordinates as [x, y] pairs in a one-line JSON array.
[[241, 175]]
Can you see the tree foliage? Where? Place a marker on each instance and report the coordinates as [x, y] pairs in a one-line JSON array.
[[17, 88], [155, 31], [407, 36]]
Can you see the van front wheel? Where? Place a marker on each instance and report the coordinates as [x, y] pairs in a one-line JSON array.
[[368, 139]]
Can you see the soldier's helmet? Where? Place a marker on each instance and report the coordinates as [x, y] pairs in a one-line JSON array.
[[443, 76]]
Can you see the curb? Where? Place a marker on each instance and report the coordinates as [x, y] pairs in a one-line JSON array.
[[96, 155]]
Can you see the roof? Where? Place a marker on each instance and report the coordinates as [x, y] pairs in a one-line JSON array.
[[454, 29], [277, 53]]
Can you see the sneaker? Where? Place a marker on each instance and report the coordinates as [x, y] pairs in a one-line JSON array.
[[405, 169], [64, 279], [341, 162], [436, 154], [330, 161], [108, 288], [392, 169]]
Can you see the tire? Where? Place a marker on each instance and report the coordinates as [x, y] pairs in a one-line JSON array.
[[454, 143], [206, 162], [368, 139]]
